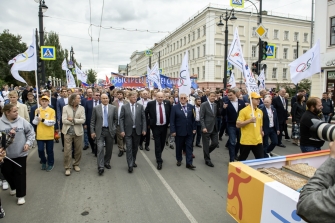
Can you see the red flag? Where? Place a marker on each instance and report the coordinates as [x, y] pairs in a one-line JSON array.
[[107, 81]]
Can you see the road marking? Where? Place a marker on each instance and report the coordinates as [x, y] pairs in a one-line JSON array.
[[173, 194]]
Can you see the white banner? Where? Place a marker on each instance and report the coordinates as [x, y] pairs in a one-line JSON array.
[[150, 83], [26, 61], [64, 64], [232, 80], [184, 81], [82, 76], [261, 79], [306, 65], [71, 83], [154, 76]]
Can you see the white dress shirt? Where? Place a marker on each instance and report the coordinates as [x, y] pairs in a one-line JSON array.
[[235, 104], [119, 111], [103, 117], [158, 115], [66, 101], [197, 113], [270, 114]]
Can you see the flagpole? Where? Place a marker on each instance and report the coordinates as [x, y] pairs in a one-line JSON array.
[[38, 104]]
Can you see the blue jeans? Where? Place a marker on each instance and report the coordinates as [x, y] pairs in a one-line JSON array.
[[233, 142], [274, 141], [85, 138], [49, 144], [306, 149], [326, 117]]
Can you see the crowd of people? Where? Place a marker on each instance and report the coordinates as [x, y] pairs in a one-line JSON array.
[[99, 117]]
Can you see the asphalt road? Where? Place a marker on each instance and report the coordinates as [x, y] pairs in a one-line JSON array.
[[174, 194]]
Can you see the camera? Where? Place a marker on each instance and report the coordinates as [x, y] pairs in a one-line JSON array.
[[322, 130]]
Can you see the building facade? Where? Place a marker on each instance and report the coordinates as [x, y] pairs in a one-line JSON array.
[[325, 32], [204, 41]]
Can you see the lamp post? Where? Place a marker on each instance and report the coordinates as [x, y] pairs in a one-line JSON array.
[[228, 16], [41, 9]]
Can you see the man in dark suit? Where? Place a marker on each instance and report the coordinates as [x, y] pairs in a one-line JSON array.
[[231, 109], [209, 127], [159, 115], [103, 127], [205, 97], [132, 126], [144, 101], [182, 127], [89, 105], [60, 104], [280, 104], [270, 127]]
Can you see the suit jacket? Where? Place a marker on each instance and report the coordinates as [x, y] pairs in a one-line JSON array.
[[88, 111], [96, 122], [281, 111], [60, 105], [116, 103], [126, 119], [23, 111], [231, 113], [141, 103], [79, 119], [181, 124], [266, 121], [317, 201], [204, 99], [150, 111], [208, 117]]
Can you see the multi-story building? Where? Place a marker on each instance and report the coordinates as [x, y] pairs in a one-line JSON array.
[[204, 41], [325, 32]]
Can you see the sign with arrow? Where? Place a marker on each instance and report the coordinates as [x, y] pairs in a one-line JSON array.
[[48, 53]]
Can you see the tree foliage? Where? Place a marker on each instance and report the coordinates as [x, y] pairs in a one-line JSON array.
[[291, 88], [91, 76]]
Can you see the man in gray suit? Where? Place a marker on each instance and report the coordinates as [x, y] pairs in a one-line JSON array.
[[317, 198], [132, 125], [103, 127], [209, 128]]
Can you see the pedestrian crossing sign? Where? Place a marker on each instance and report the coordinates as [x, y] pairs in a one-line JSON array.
[[271, 51], [48, 53]]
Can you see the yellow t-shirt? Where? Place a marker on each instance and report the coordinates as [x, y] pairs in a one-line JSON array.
[[251, 135], [44, 132]]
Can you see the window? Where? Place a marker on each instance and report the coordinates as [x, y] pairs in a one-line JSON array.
[[193, 36], [192, 71], [189, 37], [177, 44], [174, 60], [296, 36], [285, 53], [275, 34], [181, 42], [204, 52], [266, 34], [254, 31], [305, 37], [204, 29], [332, 31], [274, 73], [193, 54], [177, 59], [203, 72], [174, 46], [198, 71], [198, 33], [184, 40], [284, 73], [294, 53], [198, 48], [253, 51], [286, 35], [217, 72], [181, 58]]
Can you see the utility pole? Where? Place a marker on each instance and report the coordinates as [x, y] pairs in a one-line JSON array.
[[260, 40], [40, 16], [150, 62], [312, 24], [297, 86], [38, 60]]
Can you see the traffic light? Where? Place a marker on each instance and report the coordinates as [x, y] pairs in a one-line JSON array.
[[254, 67], [264, 48], [39, 67]]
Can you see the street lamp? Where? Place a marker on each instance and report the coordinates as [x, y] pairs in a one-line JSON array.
[[229, 16], [42, 9]]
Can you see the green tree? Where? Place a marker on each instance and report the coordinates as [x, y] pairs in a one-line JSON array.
[[91, 76], [10, 46]]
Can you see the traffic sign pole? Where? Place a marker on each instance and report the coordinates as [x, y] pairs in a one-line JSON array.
[[260, 40]]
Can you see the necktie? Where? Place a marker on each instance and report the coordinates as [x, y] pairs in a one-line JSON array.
[[283, 102], [212, 108], [105, 117], [185, 111], [133, 114], [95, 103], [160, 114]]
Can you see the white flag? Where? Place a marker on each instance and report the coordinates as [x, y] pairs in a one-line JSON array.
[[81, 75], [71, 83], [235, 57], [154, 76], [150, 83], [306, 65], [64, 64], [232, 81], [261, 79], [26, 61], [184, 81]]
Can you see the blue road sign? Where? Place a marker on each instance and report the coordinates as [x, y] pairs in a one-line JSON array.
[[48, 53]]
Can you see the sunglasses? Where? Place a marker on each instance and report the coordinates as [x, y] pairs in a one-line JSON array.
[[97, 95], [183, 98]]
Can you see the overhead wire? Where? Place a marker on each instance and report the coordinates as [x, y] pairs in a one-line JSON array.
[[102, 12], [91, 32]]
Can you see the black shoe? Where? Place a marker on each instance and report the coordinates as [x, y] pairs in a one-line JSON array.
[[85, 148], [57, 141], [130, 170], [171, 147], [220, 138], [141, 147], [282, 145], [159, 166], [178, 163], [108, 166], [147, 148], [101, 171], [198, 145], [134, 165], [209, 163], [167, 143], [120, 153], [63, 150], [190, 166]]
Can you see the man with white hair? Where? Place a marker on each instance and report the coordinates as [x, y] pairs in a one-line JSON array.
[[281, 104]]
